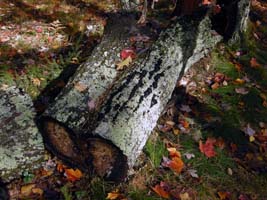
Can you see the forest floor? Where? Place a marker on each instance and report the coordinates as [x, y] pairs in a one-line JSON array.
[[211, 141]]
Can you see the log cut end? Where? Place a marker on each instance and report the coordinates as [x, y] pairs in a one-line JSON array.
[[91, 154]]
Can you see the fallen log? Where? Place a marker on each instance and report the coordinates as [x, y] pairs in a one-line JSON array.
[[130, 109], [21, 144], [123, 111]]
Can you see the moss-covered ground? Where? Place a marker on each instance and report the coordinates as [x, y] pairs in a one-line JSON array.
[[222, 99]]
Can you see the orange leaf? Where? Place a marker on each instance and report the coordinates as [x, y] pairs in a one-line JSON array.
[[208, 147], [176, 164], [161, 191], [224, 195], [254, 63], [220, 143], [73, 175], [113, 195], [173, 152], [61, 167]]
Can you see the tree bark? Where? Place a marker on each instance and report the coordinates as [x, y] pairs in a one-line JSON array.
[[128, 111], [21, 144]]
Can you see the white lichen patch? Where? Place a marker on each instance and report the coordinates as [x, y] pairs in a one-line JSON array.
[[21, 144]]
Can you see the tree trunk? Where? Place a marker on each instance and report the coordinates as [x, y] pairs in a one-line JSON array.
[[127, 107], [21, 144]]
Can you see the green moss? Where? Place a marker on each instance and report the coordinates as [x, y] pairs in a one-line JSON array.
[[155, 149], [66, 193], [223, 65], [141, 195]]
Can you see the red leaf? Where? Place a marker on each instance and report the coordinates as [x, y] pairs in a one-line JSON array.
[[208, 147], [125, 53]]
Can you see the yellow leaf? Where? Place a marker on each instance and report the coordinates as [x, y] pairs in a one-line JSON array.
[[36, 81], [251, 138], [113, 195], [26, 190], [239, 81], [176, 131], [185, 196], [124, 63], [80, 87], [73, 175]]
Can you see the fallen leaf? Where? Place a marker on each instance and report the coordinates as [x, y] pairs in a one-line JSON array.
[[173, 152], [26, 190], [36, 81], [251, 138], [220, 143], [176, 131], [185, 108], [165, 128], [239, 81], [208, 147], [238, 66], [193, 173], [161, 191], [230, 171], [241, 90], [80, 87], [176, 164], [189, 155], [61, 168], [254, 63], [219, 77], [45, 173], [185, 196], [124, 63], [215, 86], [73, 175], [170, 123], [249, 131], [37, 191], [113, 195], [127, 52], [185, 124], [224, 195]]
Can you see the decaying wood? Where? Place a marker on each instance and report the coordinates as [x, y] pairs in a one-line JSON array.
[[21, 144]]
